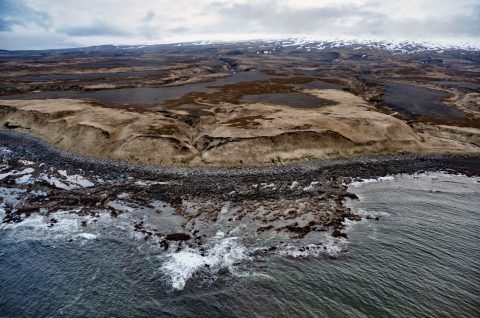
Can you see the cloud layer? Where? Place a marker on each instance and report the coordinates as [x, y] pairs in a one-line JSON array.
[[40, 24]]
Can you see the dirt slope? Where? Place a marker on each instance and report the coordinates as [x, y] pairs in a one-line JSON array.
[[231, 134]]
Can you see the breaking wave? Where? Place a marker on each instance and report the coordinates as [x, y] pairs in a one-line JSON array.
[[226, 253]]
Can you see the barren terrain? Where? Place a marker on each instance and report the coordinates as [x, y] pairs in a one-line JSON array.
[[242, 111], [243, 103]]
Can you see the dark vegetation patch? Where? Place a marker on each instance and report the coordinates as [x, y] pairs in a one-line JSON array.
[[295, 99], [233, 93]]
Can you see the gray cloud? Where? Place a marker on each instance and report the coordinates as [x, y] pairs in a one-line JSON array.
[[272, 17], [91, 22], [16, 13], [94, 29], [149, 16]]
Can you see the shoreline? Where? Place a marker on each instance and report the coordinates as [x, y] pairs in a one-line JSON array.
[[462, 163], [186, 207]]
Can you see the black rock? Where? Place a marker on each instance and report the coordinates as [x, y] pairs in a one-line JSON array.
[[337, 233], [178, 237], [164, 244]]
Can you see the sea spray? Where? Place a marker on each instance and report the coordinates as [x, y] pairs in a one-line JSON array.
[[180, 266], [331, 247]]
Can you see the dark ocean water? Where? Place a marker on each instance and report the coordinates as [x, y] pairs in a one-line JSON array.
[[421, 259]]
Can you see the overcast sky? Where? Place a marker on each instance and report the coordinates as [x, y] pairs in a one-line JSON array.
[[40, 24]]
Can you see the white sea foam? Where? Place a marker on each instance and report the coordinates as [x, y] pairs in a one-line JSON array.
[[120, 205], [70, 182], [55, 182], [87, 236], [5, 151], [10, 196], [179, 267], [123, 195], [219, 235], [331, 247], [268, 185], [366, 181], [387, 178], [39, 193], [16, 173], [36, 227], [439, 180], [67, 226], [365, 213], [25, 179], [350, 225], [147, 182], [311, 186], [293, 185], [76, 179]]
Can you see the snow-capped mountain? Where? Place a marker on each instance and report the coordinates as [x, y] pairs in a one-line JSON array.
[[396, 46]]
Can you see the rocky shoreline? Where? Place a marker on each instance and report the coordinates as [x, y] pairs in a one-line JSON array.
[[178, 207]]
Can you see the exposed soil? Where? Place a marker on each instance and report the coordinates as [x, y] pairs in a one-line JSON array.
[[202, 105]]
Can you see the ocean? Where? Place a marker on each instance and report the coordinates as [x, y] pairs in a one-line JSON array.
[[420, 258]]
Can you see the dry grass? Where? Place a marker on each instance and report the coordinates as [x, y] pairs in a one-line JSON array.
[[232, 134]]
